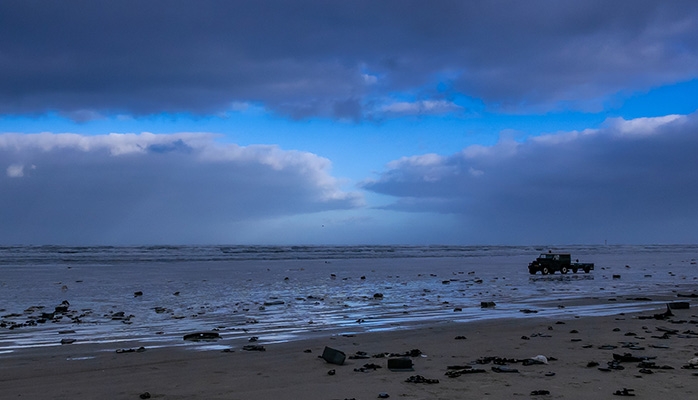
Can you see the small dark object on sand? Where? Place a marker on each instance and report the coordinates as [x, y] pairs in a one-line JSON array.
[[144, 395], [592, 364], [460, 337], [420, 379], [253, 347], [400, 364], [624, 392], [138, 350], [487, 304], [67, 341], [540, 392], [333, 356], [331, 372], [453, 373], [679, 305], [383, 395], [138, 293], [666, 314]]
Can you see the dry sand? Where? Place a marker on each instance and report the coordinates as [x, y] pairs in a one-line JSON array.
[[289, 371]]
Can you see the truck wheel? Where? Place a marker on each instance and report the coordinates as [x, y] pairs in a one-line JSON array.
[[586, 270], [545, 271], [532, 271], [563, 270], [574, 270]]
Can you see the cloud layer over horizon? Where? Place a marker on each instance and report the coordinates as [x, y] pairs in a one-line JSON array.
[[626, 181], [347, 60], [128, 189], [629, 181]]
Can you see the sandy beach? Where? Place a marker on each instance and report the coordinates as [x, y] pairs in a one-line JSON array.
[[294, 370]]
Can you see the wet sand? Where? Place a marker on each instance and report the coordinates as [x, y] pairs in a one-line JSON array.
[[294, 370]]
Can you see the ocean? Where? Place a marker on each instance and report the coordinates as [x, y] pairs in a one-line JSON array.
[[154, 295]]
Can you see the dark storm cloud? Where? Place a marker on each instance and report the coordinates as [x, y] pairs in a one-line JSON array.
[[63, 188], [340, 59], [631, 181]]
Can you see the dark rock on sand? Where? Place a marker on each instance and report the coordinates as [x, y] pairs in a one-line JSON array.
[[679, 305], [420, 379], [333, 356]]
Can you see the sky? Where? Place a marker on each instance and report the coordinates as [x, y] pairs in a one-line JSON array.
[[346, 123]]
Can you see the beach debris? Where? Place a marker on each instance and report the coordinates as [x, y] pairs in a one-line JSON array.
[[460, 337], [539, 359], [652, 365], [420, 379], [659, 316], [274, 303], [137, 294], [359, 355], [679, 305], [138, 350], [253, 339], [333, 356], [331, 372], [628, 357], [378, 296], [68, 341], [63, 307], [367, 367], [528, 311], [400, 364], [383, 395], [202, 336], [692, 364], [455, 371], [616, 276], [487, 304], [624, 392], [411, 353], [540, 392], [144, 395], [592, 364], [253, 347]]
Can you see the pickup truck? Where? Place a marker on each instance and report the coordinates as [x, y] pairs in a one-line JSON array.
[[549, 263]]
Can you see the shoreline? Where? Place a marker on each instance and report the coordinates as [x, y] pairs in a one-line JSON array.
[[286, 370]]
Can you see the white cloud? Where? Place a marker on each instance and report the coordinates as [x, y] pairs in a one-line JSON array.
[[642, 126], [422, 107], [630, 181], [15, 171], [164, 188]]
